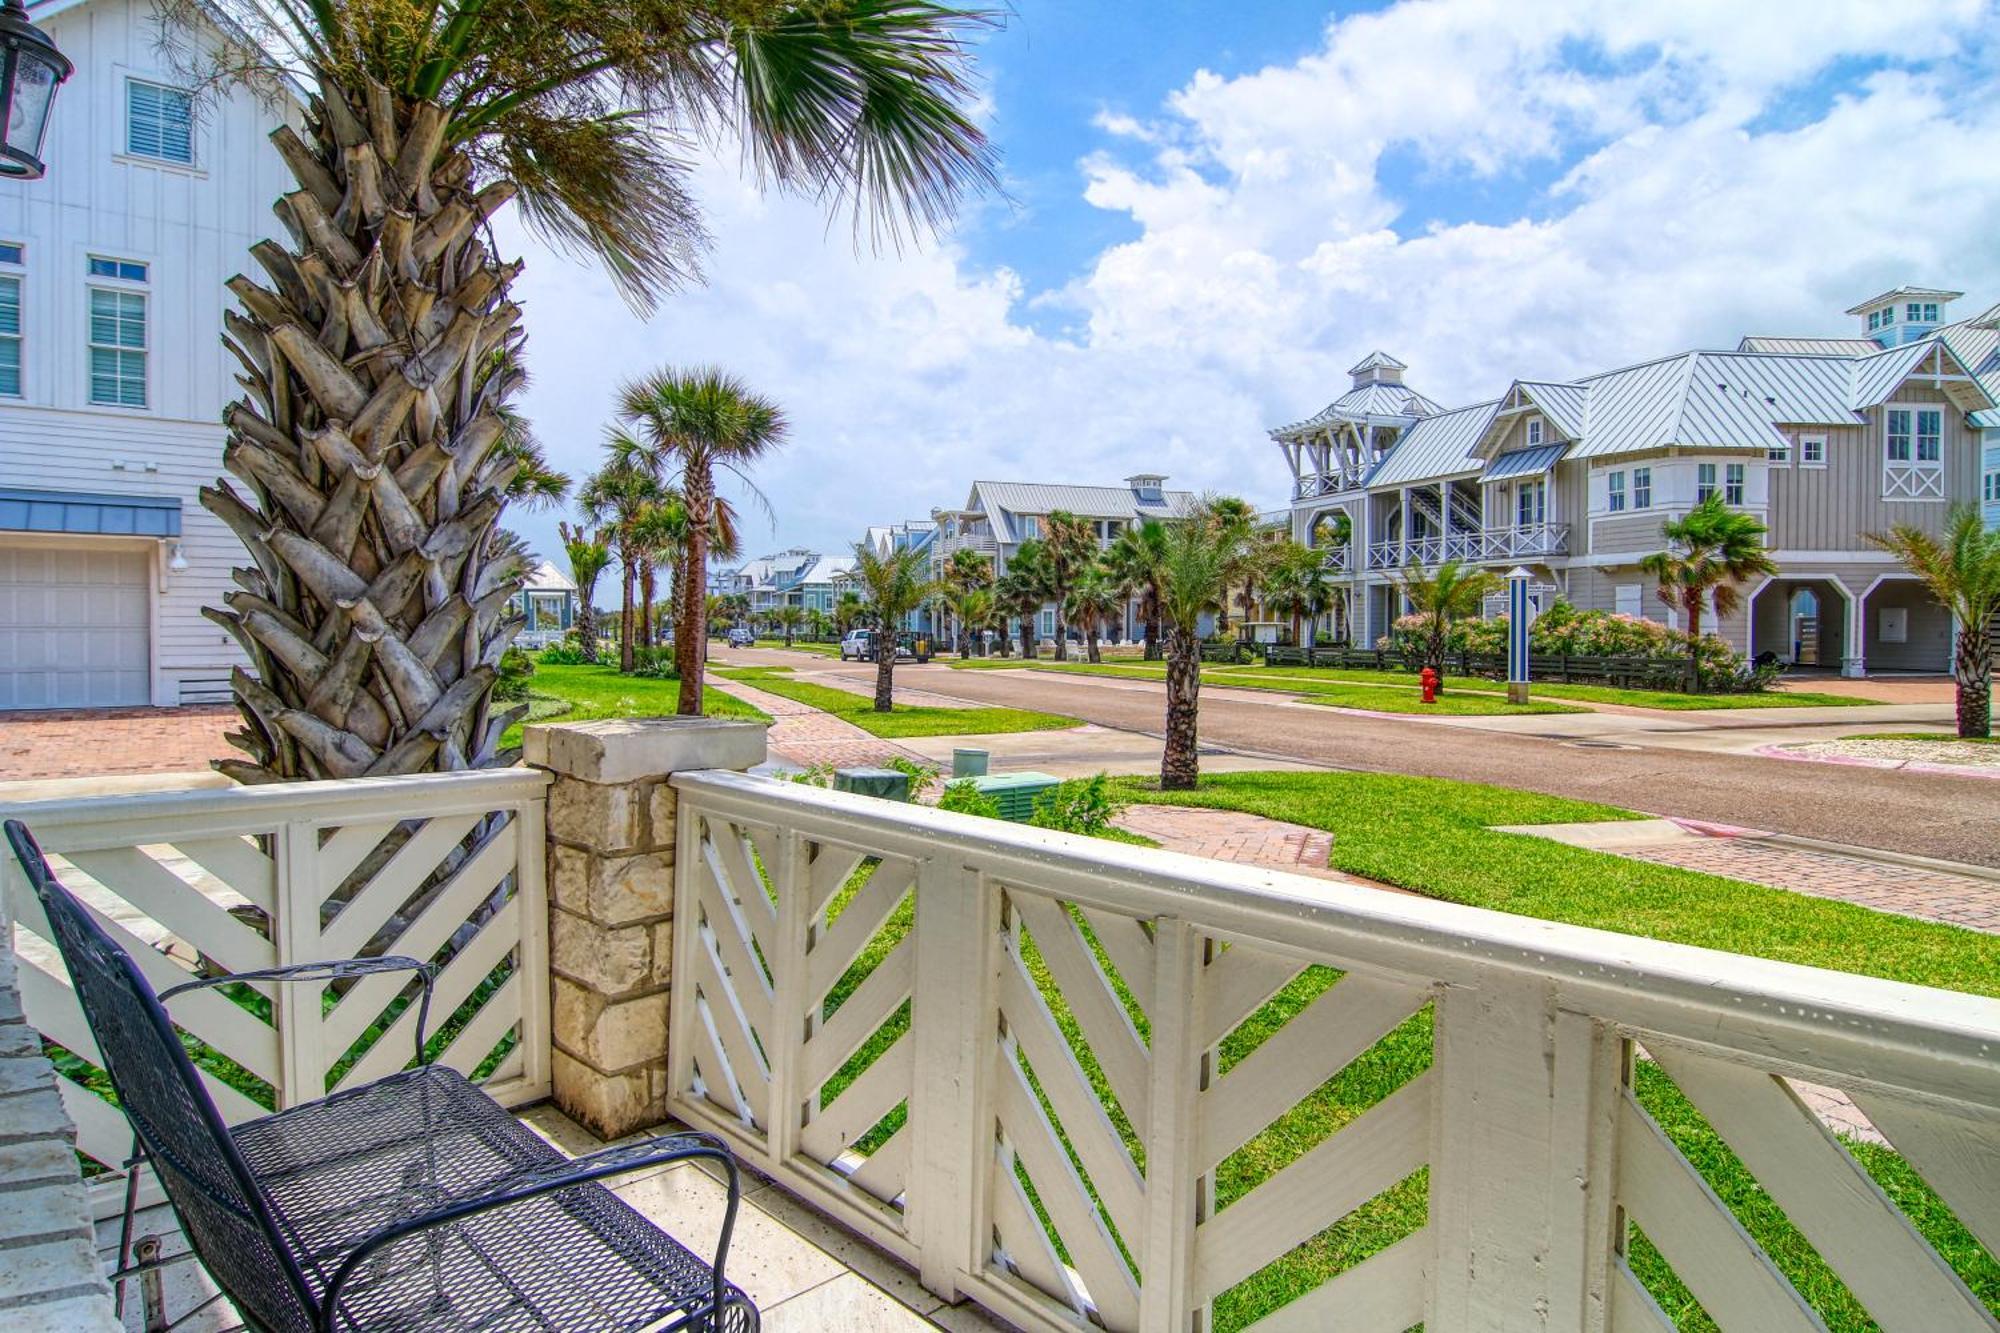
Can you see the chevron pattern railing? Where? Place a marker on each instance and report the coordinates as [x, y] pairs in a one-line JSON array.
[[445, 868], [1088, 1085]]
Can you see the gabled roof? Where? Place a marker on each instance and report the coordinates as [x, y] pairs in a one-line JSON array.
[[1001, 500], [1810, 346], [1562, 404], [545, 577], [827, 568], [1436, 447], [1370, 402]]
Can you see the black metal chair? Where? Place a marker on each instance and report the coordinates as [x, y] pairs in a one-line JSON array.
[[416, 1202]]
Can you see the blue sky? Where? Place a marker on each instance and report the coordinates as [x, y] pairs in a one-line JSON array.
[[1214, 209]]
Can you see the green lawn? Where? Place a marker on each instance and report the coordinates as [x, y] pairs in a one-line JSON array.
[[1292, 679], [801, 646], [1401, 697], [1434, 836], [1944, 736], [586, 693], [906, 720]]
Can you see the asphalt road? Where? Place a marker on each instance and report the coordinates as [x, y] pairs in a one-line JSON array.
[[1951, 817]]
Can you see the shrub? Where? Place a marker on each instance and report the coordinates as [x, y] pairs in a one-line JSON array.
[[964, 797], [1563, 630], [654, 663], [516, 669], [1081, 806], [566, 653]]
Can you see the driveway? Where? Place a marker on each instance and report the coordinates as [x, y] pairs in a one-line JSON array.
[[89, 743], [1926, 815]]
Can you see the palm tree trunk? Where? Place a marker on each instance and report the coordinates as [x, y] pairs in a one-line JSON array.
[[1180, 762], [1972, 671], [885, 672], [1152, 624], [1092, 639], [647, 587], [586, 627], [377, 359], [1693, 605], [691, 633], [625, 620], [1062, 634], [1028, 638]]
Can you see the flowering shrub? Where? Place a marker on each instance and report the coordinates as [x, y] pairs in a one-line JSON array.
[[1564, 630]]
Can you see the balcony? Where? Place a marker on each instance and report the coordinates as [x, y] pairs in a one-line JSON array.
[[1483, 544], [1024, 1068], [1335, 559], [982, 542]]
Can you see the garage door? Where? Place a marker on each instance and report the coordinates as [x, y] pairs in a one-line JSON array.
[[73, 627]]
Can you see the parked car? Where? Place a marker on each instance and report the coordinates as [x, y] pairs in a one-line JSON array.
[[859, 645], [740, 636]]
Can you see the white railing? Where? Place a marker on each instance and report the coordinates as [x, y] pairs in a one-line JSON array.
[[1049, 1072], [445, 867], [1334, 559], [1325, 483], [1542, 539], [982, 542]]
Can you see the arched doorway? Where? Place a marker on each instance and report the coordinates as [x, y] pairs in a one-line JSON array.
[[1805, 627]]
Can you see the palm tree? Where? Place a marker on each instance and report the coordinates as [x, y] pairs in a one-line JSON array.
[[380, 349], [705, 421], [1023, 589], [1195, 564], [1452, 592], [1093, 599], [1134, 560], [967, 571], [1294, 584], [588, 555], [1068, 548], [618, 497], [1711, 551], [977, 609], [848, 609], [817, 622], [789, 619], [897, 584], [1962, 570], [1234, 514]]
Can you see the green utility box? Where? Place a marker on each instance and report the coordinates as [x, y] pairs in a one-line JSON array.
[[968, 763], [1016, 792], [887, 783]]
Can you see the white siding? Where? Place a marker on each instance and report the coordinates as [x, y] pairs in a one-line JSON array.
[[193, 227]]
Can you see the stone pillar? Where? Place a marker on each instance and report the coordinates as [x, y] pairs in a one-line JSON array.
[[611, 902]]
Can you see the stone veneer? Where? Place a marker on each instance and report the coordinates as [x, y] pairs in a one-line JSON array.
[[611, 830], [50, 1280]]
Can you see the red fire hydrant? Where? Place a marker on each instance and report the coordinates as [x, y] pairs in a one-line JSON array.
[[1429, 680]]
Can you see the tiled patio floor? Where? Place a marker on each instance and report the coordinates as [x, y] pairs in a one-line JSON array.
[[804, 1273], [87, 743]]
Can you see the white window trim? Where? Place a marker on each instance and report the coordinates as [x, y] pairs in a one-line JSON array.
[[122, 126], [19, 272], [1741, 483], [123, 286], [1781, 454], [1805, 440], [1715, 486], [1614, 492], [1647, 488], [1532, 432], [1914, 479]]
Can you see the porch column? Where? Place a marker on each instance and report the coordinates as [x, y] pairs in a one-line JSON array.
[[1853, 631], [611, 825]]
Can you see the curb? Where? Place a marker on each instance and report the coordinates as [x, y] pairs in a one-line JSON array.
[[1908, 860]]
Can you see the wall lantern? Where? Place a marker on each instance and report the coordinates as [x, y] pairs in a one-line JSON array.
[[30, 71]]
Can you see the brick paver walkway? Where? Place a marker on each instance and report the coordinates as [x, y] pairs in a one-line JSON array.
[[88, 743], [806, 736], [1959, 900]]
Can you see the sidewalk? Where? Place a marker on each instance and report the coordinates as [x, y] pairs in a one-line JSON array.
[[803, 735]]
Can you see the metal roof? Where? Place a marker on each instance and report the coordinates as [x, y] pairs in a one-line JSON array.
[[1562, 404], [1523, 462], [1376, 361], [1897, 294], [1436, 447], [81, 513], [1876, 377], [1363, 403], [545, 577], [1631, 408], [1810, 346], [1001, 499]]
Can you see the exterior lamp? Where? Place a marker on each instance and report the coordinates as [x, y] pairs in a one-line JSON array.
[[177, 561], [30, 70]]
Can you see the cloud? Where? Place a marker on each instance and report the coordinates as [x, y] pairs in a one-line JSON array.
[[1483, 195]]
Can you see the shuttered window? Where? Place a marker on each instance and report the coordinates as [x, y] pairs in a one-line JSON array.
[[10, 336], [159, 123], [117, 348]]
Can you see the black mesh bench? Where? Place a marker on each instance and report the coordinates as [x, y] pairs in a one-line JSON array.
[[416, 1202]]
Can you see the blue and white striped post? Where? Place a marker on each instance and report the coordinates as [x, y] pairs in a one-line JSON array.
[[1519, 618]]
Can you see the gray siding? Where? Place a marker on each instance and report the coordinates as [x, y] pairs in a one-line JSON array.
[[1827, 509], [1637, 533], [1928, 643]]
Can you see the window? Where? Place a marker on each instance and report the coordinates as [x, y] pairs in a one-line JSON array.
[[125, 270], [117, 348], [1888, 317], [1779, 453], [10, 336], [1642, 488], [11, 253], [1534, 431], [1615, 491], [1920, 313], [159, 123], [1989, 487], [1626, 599], [1030, 526], [1531, 504], [1704, 481], [1812, 451], [1732, 483], [1874, 320], [1913, 434]]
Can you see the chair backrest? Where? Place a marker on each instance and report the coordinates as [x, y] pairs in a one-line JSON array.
[[224, 1216]]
